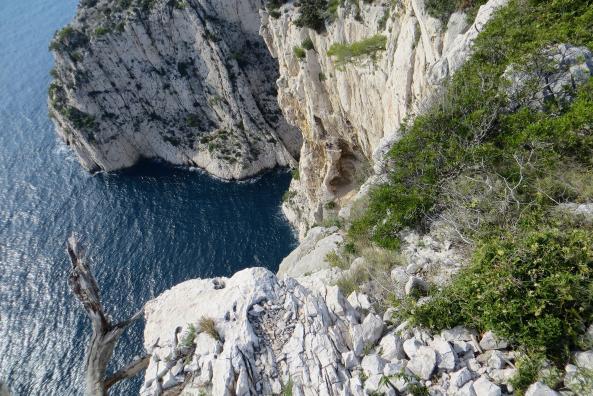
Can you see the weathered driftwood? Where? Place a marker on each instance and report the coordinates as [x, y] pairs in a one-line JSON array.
[[105, 334]]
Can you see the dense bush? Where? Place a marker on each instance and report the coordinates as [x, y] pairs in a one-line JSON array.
[[534, 288], [348, 53], [312, 14], [443, 9], [299, 52]]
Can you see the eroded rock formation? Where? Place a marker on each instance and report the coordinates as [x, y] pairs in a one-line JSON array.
[[349, 112], [187, 81]]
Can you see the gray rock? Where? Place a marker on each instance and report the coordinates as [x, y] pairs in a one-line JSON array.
[[399, 275], [178, 368], [540, 389], [415, 284], [394, 367], [373, 364], [350, 360], [458, 333], [170, 380], [391, 347], [359, 301], [388, 315], [411, 346], [584, 359], [372, 329], [413, 268], [466, 390], [483, 387], [496, 360], [423, 363], [446, 357], [460, 377], [158, 88], [490, 341]]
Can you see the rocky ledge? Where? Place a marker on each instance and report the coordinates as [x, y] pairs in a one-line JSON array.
[[266, 335], [187, 81]]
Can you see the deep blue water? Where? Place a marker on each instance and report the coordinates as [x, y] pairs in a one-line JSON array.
[[145, 230]]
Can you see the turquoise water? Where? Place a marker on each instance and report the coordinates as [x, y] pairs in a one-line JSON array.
[[146, 229]]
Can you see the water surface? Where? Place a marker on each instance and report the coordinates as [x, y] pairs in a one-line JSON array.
[[145, 229]]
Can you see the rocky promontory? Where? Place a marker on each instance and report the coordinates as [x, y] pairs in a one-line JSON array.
[[188, 82]]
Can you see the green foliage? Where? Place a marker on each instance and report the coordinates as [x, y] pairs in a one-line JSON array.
[[443, 9], [534, 288], [295, 174], [288, 195], [79, 119], [287, 388], [101, 31], [335, 260], [193, 120], [188, 338], [299, 53], [68, 39], [312, 14], [347, 53], [180, 4], [307, 44], [208, 325], [322, 76]]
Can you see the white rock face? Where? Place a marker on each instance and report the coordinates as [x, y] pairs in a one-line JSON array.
[[540, 389], [490, 341], [345, 115], [190, 84], [423, 362], [584, 359], [310, 255], [298, 335], [483, 387]]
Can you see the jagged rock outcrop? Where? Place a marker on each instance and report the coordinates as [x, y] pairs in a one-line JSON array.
[[186, 81], [348, 112]]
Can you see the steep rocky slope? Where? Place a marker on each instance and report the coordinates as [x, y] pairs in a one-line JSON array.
[[347, 112], [190, 82]]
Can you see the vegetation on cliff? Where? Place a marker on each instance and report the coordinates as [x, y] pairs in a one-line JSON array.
[[496, 172]]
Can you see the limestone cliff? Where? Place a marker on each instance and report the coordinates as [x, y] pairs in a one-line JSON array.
[[186, 81], [347, 112]]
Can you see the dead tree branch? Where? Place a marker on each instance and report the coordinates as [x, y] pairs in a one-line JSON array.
[[105, 334]]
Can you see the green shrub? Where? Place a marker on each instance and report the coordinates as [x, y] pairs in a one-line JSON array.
[[299, 53], [295, 174], [312, 14], [180, 4], [335, 260], [534, 288], [79, 119], [288, 195], [193, 120], [68, 39], [189, 336], [347, 53], [101, 31], [307, 44], [322, 76], [442, 9]]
